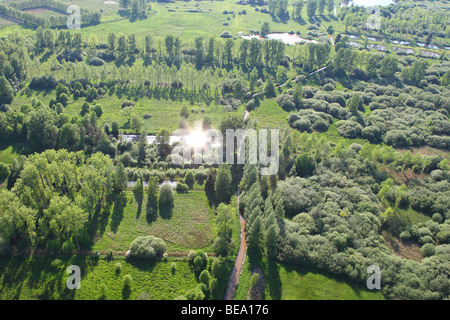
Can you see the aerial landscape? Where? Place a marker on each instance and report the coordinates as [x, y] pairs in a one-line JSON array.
[[224, 150]]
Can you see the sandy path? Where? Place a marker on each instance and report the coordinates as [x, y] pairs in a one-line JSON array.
[[238, 264]]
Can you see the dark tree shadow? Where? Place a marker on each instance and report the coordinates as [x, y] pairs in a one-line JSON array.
[[117, 214], [139, 199], [166, 211], [104, 215], [45, 56], [144, 264], [271, 271], [300, 21], [131, 60], [273, 280], [324, 18], [334, 18], [152, 212], [126, 292]]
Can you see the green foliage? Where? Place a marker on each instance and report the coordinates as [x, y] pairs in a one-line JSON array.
[[265, 29], [189, 179], [205, 277], [4, 171], [147, 247], [6, 91], [304, 165], [166, 198], [222, 185]]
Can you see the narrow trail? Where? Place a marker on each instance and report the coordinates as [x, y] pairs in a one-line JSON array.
[[240, 259], [331, 37]]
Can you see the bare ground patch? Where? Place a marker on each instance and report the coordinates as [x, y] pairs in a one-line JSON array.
[[426, 151], [404, 249], [407, 175]]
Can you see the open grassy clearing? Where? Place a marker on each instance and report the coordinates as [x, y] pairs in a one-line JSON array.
[[44, 277], [299, 283], [107, 8], [164, 113], [13, 150], [191, 225], [302, 283], [189, 25]]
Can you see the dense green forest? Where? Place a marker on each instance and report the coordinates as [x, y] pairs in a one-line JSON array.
[[364, 164]]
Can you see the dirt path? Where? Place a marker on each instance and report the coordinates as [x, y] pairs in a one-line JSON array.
[[237, 269], [331, 37]]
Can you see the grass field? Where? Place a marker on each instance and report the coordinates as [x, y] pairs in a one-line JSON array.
[[190, 226], [44, 277], [299, 283], [188, 25], [294, 282], [12, 150], [164, 113]]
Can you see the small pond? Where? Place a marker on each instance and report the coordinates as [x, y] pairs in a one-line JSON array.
[[284, 37]]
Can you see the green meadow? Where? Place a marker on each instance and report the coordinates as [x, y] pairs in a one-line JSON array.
[[190, 226], [38, 277], [292, 282]]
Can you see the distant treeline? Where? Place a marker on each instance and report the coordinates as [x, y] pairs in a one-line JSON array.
[[14, 10]]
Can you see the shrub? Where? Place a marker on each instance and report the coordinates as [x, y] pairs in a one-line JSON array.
[[127, 280], [405, 235], [226, 34], [98, 110], [147, 247], [189, 179], [127, 103], [95, 61], [292, 117], [46, 81], [56, 263], [396, 138], [329, 87], [428, 249], [205, 277], [349, 129], [4, 171], [198, 261], [286, 102], [303, 125], [166, 196], [118, 267], [372, 133], [182, 187], [200, 177], [320, 126], [437, 217]]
